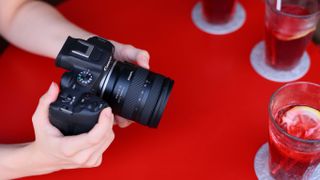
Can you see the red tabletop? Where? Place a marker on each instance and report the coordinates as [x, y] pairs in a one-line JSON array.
[[216, 118]]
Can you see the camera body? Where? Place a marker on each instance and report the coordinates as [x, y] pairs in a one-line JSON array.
[[77, 108], [94, 78]]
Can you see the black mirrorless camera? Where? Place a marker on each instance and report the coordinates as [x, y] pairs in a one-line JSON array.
[[95, 80]]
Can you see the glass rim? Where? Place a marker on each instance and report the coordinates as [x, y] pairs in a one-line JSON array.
[[282, 131], [315, 14]]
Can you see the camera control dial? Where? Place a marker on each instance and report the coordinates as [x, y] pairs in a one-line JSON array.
[[84, 78]]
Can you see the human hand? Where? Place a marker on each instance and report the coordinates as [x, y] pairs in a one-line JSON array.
[[125, 52], [53, 151], [129, 53]]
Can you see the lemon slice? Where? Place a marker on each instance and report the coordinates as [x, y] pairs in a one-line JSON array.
[[302, 122], [287, 37]]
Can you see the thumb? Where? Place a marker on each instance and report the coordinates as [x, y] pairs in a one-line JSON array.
[[42, 112]]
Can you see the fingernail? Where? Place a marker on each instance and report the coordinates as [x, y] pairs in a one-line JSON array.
[[145, 60], [108, 113]]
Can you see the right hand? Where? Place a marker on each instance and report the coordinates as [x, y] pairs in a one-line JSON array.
[[53, 151]]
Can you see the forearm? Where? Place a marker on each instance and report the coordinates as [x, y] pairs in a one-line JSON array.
[[13, 160], [38, 28], [20, 160]]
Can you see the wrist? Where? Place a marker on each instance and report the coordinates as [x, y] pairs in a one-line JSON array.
[[23, 160], [39, 161], [13, 159]]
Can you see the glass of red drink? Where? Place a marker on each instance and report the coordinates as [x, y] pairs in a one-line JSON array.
[[294, 131], [218, 11], [289, 26]]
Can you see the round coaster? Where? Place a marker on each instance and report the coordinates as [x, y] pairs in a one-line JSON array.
[[258, 62], [219, 29], [261, 166]]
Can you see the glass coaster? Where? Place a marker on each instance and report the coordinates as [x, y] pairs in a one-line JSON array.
[[219, 29], [261, 166], [258, 62]]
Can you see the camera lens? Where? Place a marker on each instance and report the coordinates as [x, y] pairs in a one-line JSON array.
[[134, 92]]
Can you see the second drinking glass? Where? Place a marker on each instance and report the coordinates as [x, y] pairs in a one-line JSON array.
[[289, 26]]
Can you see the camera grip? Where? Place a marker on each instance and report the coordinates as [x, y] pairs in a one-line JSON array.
[[73, 114]]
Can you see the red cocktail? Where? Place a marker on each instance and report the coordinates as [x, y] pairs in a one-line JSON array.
[[294, 131], [289, 30], [218, 11]]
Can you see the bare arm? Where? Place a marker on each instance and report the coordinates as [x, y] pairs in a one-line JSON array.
[[38, 28]]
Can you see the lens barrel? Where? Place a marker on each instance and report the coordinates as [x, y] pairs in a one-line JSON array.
[[135, 93]]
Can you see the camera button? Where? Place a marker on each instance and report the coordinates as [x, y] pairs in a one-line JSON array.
[[98, 107], [67, 99], [66, 111], [90, 107]]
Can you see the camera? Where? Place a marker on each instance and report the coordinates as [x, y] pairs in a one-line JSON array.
[[95, 80]]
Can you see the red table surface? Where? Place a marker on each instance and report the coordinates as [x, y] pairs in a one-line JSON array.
[[216, 118]]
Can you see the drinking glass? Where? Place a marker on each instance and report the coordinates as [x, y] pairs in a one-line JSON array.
[[218, 11], [289, 27], [294, 134]]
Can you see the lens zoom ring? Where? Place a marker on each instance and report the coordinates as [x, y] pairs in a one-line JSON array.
[[131, 99], [152, 100]]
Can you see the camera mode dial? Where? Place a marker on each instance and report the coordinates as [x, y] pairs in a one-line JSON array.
[[84, 78]]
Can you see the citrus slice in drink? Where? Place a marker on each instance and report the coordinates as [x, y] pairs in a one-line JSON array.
[[302, 122], [291, 28], [287, 36]]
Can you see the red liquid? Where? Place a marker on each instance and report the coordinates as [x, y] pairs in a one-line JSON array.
[[286, 163], [218, 11], [285, 46]]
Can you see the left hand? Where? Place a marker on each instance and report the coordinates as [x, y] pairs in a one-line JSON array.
[[125, 52]]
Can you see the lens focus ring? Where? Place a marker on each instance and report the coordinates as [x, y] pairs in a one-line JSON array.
[[134, 90]]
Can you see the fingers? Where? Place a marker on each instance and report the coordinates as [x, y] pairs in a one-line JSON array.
[[95, 159], [42, 111], [101, 132], [130, 53], [84, 150], [122, 122], [92, 157], [87, 151], [104, 125]]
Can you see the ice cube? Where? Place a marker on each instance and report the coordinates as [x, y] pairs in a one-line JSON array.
[[302, 122]]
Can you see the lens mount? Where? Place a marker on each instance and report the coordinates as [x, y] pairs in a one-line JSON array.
[[106, 77]]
